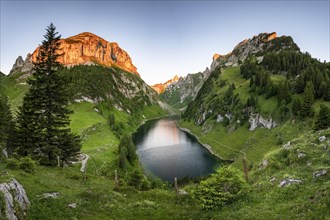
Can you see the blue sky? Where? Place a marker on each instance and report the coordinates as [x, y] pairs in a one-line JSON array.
[[165, 38]]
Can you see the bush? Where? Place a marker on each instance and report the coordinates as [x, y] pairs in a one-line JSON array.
[[27, 164], [225, 186], [12, 163]]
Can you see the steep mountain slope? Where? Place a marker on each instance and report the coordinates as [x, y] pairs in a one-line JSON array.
[[160, 87], [180, 93], [258, 107], [85, 48]]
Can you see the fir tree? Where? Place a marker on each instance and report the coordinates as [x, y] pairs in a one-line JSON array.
[[296, 106], [308, 100], [323, 119], [6, 122], [43, 118]]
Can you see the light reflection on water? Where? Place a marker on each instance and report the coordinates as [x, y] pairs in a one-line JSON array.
[[167, 152]]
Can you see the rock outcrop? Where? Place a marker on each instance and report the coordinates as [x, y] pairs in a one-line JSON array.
[[160, 87], [262, 42], [185, 89], [256, 120], [15, 200], [85, 48]]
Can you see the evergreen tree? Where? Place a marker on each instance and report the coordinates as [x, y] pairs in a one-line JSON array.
[[296, 106], [43, 118], [283, 92], [6, 122], [308, 100], [323, 119], [126, 145]]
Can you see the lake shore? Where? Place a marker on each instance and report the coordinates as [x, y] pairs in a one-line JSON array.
[[207, 146]]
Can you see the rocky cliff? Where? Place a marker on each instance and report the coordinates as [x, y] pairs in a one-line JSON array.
[[180, 93], [160, 87], [85, 48], [256, 45]]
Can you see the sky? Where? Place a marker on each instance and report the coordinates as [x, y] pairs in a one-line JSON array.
[[165, 38]]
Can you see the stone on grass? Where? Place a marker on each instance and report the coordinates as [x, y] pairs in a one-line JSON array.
[[319, 173], [288, 182], [72, 205]]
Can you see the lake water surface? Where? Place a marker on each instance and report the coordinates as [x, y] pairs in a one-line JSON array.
[[166, 151]]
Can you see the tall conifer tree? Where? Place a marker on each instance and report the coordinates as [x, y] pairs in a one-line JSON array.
[[6, 122], [43, 118]]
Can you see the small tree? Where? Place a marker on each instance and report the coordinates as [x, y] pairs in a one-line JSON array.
[[223, 187], [308, 100], [296, 106], [323, 118]]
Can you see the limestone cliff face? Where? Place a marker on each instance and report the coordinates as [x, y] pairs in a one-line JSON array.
[[87, 48], [254, 45], [160, 87]]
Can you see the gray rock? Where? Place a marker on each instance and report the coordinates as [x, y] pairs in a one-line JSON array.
[[264, 163], [18, 63], [319, 173], [256, 120], [14, 192], [219, 118], [182, 192], [52, 195], [322, 138], [288, 182], [272, 179], [301, 155], [72, 205], [287, 145]]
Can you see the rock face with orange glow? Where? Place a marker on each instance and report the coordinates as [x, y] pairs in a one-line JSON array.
[[160, 87], [88, 49]]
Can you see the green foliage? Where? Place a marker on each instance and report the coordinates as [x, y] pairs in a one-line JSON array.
[[307, 102], [12, 163], [42, 120], [27, 164], [6, 122], [225, 186], [139, 181], [126, 149], [296, 106], [323, 118]]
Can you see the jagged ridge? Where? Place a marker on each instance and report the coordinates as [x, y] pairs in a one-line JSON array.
[[85, 48]]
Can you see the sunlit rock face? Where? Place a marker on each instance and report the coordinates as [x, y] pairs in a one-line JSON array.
[[160, 87], [88, 49]]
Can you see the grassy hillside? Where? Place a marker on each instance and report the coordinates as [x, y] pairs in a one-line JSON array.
[[268, 161]]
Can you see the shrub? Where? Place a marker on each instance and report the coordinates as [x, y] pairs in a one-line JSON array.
[[12, 163], [225, 186], [27, 164]]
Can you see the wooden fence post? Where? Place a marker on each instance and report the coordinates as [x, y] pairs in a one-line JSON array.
[[176, 186]]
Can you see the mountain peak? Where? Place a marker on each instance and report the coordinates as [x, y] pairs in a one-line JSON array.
[[258, 44], [89, 49], [160, 87]]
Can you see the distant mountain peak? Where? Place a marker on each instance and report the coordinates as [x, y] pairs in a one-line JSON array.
[[86, 48], [160, 87]]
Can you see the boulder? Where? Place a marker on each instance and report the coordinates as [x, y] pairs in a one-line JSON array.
[[288, 182], [14, 193]]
